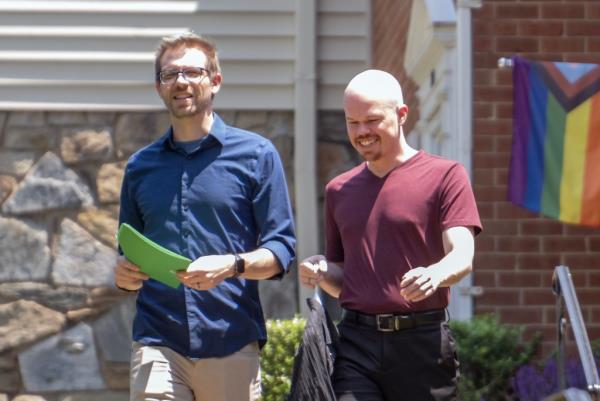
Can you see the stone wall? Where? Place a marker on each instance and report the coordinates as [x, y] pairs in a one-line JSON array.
[[64, 328]]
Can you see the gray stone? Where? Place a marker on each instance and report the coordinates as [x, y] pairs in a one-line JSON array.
[[228, 116], [101, 118], [332, 126], [108, 182], [66, 118], [63, 362], [29, 397], [48, 186], [7, 183], [136, 130], [61, 298], [280, 124], [26, 118], [278, 298], [81, 259], [252, 121], [2, 120], [83, 145], [95, 396], [15, 162], [24, 252], [22, 322], [333, 159], [113, 332], [102, 224], [29, 138]]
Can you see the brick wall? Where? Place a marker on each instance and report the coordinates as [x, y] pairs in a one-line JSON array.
[[517, 252], [390, 22]]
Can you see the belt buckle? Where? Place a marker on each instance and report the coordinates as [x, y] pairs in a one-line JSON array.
[[378, 321]]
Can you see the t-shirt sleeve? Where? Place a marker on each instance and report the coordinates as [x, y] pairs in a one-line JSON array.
[[457, 202], [334, 249]]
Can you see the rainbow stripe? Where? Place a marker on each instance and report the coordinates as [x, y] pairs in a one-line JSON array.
[[555, 161]]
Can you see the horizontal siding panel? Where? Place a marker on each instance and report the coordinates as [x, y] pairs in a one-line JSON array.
[[131, 48], [254, 6], [211, 24], [343, 6], [330, 97], [343, 24], [339, 72], [135, 98], [50, 73], [343, 49]]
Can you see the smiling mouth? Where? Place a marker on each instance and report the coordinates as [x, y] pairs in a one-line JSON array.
[[366, 141]]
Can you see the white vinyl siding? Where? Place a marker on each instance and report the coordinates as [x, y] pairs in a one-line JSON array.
[[98, 55]]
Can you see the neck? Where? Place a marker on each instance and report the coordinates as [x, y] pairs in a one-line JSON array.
[[193, 127], [383, 166]]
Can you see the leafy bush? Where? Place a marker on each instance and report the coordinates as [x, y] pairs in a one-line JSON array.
[[277, 357], [489, 354]]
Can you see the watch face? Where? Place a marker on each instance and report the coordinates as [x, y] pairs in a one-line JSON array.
[[240, 264]]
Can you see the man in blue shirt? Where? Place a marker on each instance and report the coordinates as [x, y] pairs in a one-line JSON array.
[[216, 194]]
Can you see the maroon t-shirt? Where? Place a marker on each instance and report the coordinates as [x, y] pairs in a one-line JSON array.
[[382, 227]]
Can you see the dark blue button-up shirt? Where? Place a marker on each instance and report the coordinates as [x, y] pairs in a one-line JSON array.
[[229, 195]]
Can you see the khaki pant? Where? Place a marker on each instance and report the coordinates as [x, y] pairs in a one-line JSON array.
[[159, 374]]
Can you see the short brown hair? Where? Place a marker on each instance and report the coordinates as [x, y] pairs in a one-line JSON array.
[[188, 39]]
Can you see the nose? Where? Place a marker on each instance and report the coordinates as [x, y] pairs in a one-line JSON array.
[[363, 128], [181, 78]]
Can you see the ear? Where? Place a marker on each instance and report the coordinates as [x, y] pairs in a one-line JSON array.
[[402, 113], [215, 83]]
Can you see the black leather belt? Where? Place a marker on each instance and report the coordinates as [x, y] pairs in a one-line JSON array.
[[391, 322]]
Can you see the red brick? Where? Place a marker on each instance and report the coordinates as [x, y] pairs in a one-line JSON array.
[[504, 109], [494, 261], [587, 296], [571, 229], [506, 210], [517, 45], [493, 127], [582, 261], [483, 110], [502, 227], [486, 210], [547, 331], [593, 279], [535, 261], [483, 43], [493, 93], [483, 77], [494, 27], [496, 296], [503, 143], [488, 192], [571, 10], [594, 244], [541, 227], [593, 10], [484, 278], [518, 244], [564, 45], [519, 279], [509, 11], [482, 175], [593, 58], [541, 28], [483, 143], [583, 28], [595, 315], [491, 160], [484, 243], [563, 244], [593, 45], [542, 296], [520, 315], [485, 60], [501, 177], [504, 77]]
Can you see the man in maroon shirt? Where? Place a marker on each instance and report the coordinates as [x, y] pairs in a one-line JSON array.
[[399, 232]]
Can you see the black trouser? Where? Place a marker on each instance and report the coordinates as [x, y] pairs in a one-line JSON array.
[[413, 364]]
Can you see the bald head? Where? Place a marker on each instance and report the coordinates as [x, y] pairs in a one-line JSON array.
[[376, 85]]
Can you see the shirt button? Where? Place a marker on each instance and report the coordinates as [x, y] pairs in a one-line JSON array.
[[185, 208], [186, 233]]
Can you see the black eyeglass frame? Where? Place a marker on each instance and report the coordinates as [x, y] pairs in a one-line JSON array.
[[181, 71]]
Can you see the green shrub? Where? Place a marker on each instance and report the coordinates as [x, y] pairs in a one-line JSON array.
[[489, 354], [277, 357]]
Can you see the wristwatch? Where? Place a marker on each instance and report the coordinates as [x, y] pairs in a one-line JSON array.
[[239, 265]]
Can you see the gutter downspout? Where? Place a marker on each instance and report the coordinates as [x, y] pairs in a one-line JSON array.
[[464, 149], [305, 117]]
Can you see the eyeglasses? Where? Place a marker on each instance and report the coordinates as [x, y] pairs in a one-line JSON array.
[[191, 74]]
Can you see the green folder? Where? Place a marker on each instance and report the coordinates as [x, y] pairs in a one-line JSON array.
[[155, 260]]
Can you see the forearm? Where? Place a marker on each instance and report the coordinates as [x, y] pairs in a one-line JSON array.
[[332, 279], [452, 268], [260, 264]]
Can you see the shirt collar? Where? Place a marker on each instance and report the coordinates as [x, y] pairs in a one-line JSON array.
[[218, 131]]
